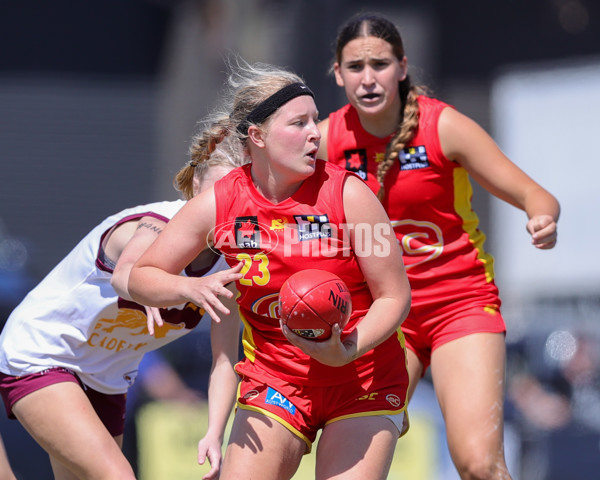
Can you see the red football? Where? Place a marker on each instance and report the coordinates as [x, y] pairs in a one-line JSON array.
[[311, 301]]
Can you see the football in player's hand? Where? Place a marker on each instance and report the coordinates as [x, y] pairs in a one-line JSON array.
[[312, 301]]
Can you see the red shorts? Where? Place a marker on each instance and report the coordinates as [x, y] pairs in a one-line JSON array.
[[110, 408], [304, 410], [429, 326]]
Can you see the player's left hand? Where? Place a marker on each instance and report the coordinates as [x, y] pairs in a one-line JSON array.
[[205, 291], [543, 230], [332, 352], [210, 448], [153, 316]]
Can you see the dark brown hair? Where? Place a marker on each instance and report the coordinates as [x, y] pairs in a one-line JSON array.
[[374, 25]]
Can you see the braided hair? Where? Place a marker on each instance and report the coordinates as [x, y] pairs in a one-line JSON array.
[[221, 140]]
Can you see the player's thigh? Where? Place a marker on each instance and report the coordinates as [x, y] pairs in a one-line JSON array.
[[260, 447], [468, 376], [62, 420], [356, 448]]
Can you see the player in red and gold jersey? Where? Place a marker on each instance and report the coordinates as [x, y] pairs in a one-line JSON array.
[[284, 212], [418, 155]]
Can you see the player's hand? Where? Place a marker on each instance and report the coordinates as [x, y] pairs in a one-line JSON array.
[[543, 230], [332, 352], [205, 291], [210, 448], [152, 317]]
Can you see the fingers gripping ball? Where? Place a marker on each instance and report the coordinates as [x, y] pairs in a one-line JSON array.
[[311, 301]]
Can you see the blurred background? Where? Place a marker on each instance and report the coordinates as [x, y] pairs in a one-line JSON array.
[[98, 103]]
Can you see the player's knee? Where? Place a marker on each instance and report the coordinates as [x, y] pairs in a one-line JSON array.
[[125, 473], [481, 465]]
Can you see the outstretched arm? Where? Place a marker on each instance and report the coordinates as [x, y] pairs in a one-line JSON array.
[[222, 386], [464, 141], [155, 280]]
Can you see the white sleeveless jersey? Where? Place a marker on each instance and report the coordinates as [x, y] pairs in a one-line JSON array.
[[74, 318]]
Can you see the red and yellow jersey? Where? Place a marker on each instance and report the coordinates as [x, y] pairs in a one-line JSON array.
[[428, 199], [276, 240]]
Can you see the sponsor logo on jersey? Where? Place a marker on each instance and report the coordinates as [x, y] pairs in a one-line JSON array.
[[247, 233], [412, 158], [276, 398], [244, 233], [312, 227], [356, 161], [379, 157], [369, 396], [278, 223]]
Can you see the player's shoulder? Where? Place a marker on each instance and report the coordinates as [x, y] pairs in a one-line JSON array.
[[164, 210]]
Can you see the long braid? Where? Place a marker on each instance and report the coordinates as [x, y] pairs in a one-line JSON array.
[[202, 147], [409, 124]]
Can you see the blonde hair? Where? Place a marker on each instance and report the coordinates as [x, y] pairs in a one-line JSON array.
[[248, 85], [228, 153]]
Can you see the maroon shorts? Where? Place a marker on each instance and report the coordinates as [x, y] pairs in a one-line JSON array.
[[110, 408], [304, 409]]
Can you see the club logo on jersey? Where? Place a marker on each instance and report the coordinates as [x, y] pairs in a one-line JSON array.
[[247, 233], [129, 329], [311, 227], [267, 306], [356, 161], [412, 158], [394, 400], [276, 398], [251, 395]]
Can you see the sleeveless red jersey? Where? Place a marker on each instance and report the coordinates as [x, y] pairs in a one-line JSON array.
[[428, 199], [276, 240]]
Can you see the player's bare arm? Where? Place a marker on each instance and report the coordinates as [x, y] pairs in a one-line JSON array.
[[125, 244]]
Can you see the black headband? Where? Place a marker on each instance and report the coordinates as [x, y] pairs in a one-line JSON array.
[[264, 109]]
